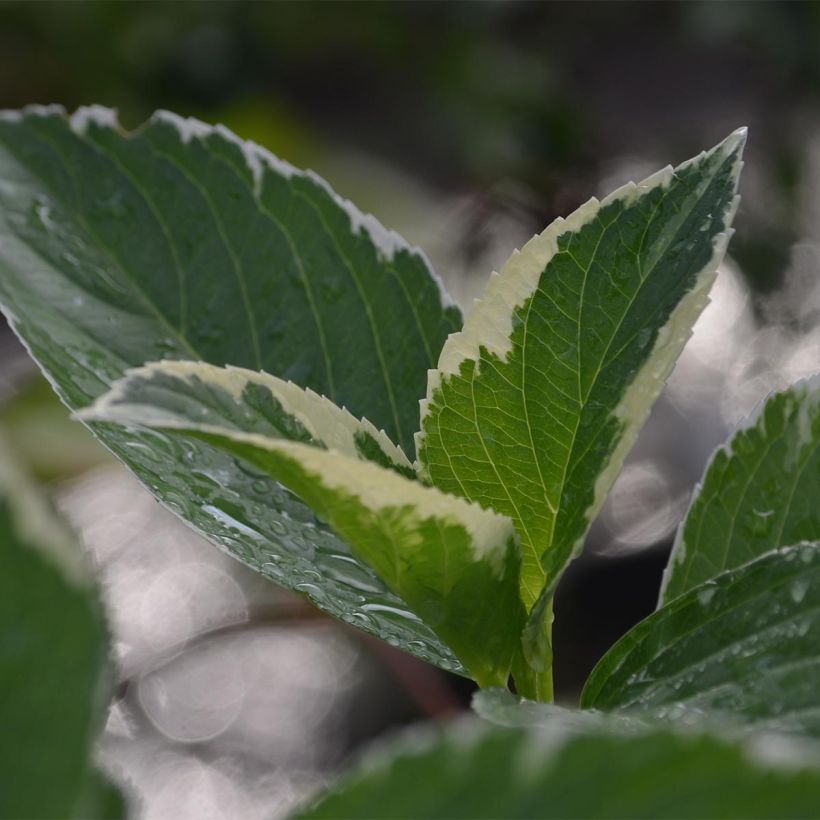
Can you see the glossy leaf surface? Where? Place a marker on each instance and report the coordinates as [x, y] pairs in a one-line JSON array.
[[453, 562], [180, 241], [760, 491], [536, 402], [175, 395], [745, 644]]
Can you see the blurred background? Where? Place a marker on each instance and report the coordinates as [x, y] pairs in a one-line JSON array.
[[467, 127]]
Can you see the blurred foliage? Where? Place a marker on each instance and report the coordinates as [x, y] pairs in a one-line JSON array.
[[43, 436], [462, 94]]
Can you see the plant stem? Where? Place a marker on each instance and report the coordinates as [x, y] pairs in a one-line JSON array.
[[532, 683]]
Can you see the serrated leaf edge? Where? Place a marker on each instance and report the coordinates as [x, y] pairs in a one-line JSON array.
[[334, 426], [810, 386], [489, 324]]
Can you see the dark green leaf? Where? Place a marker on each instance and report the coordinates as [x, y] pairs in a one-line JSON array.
[[745, 644], [572, 769], [760, 491], [536, 402], [180, 241]]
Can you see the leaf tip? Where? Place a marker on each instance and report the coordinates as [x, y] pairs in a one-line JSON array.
[[736, 142]]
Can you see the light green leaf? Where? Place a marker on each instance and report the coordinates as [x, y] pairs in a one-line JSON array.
[[746, 644], [760, 491], [574, 769], [454, 563], [54, 676], [536, 402], [180, 241]]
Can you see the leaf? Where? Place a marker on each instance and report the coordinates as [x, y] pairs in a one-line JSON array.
[[454, 563], [201, 246], [759, 492], [536, 402], [184, 399], [502, 708], [567, 770], [180, 241], [54, 676], [172, 394], [746, 643]]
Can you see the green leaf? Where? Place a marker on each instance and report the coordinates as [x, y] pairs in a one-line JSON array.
[[759, 492], [573, 769], [174, 394], [536, 402], [180, 241], [454, 563], [54, 676], [503, 708], [746, 644]]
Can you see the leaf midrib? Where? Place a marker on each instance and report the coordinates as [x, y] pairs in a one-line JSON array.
[[644, 277]]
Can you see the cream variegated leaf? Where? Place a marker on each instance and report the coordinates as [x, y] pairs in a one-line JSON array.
[[181, 241], [537, 400], [552, 762], [455, 564], [171, 393]]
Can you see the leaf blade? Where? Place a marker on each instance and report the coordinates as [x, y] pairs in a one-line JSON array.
[[758, 493], [745, 644], [152, 278], [454, 563], [539, 432], [475, 770]]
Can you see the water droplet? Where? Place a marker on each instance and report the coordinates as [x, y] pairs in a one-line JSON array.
[[798, 589], [278, 528], [760, 523], [392, 610]]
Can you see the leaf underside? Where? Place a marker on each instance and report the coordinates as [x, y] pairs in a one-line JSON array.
[[454, 563], [536, 402], [180, 242], [745, 644], [759, 492]]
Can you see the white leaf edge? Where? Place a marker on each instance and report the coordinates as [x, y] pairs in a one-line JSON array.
[[387, 242], [376, 487], [489, 325], [334, 426]]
